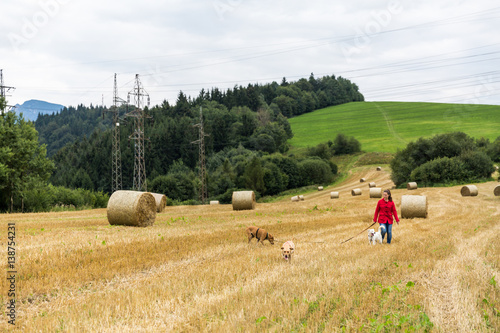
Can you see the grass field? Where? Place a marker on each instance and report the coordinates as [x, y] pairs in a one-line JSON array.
[[193, 271], [387, 126]]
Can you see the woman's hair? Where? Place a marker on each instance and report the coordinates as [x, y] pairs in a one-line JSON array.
[[389, 192]]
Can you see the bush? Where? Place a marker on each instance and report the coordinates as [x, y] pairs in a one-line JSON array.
[[315, 171], [440, 159], [440, 170], [343, 145], [176, 186]]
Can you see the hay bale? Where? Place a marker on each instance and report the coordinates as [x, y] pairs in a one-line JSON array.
[[243, 200], [496, 191], [214, 202], [362, 180], [411, 186], [469, 191], [161, 202], [356, 191], [295, 198], [376, 192], [379, 168], [320, 188], [301, 197], [413, 206], [372, 184], [334, 195], [131, 208]]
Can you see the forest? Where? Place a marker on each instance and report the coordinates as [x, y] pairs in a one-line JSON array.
[[246, 146]]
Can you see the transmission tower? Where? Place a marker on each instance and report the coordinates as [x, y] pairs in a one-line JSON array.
[[116, 157], [4, 90], [138, 135], [201, 142]]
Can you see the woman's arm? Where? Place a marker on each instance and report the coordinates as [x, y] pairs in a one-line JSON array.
[[377, 210], [394, 212]]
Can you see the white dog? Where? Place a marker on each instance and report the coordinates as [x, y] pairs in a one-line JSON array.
[[374, 237], [287, 250]]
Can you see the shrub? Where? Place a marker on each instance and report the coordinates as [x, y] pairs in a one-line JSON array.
[[315, 171]]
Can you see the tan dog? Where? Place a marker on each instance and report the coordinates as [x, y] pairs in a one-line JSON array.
[[287, 250], [260, 234]]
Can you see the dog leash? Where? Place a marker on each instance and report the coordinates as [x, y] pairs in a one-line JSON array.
[[358, 234]]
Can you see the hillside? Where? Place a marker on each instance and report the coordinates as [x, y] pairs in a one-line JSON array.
[[387, 126]]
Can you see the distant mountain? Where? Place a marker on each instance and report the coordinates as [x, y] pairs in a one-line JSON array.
[[30, 109]]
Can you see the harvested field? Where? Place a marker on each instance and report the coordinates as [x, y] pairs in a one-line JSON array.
[[194, 271]]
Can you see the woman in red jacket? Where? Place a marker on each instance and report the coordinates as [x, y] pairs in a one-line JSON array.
[[384, 211]]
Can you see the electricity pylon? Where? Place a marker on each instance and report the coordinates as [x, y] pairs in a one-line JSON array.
[[138, 135], [116, 156], [201, 142], [4, 90]]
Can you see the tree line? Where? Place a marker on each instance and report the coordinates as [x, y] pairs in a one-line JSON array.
[[248, 132]]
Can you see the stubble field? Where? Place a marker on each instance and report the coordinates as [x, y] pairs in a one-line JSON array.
[[194, 271]]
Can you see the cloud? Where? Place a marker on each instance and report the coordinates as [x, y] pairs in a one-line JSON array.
[[67, 51]]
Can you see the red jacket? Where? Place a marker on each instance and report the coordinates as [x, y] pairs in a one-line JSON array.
[[384, 211]]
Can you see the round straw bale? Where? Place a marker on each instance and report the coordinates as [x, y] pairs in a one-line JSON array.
[[243, 200], [413, 206], [356, 191], [362, 180], [161, 202], [496, 191], [334, 195], [469, 191], [379, 168], [320, 188], [214, 202], [295, 198], [132, 208], [411, 186], [372, 184], [375, 192]]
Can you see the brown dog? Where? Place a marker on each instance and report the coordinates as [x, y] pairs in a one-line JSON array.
[[287, 250], [260, 234]]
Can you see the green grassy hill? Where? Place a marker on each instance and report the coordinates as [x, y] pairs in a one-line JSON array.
[[387, 126]]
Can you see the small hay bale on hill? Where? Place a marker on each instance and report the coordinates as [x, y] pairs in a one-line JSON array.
[[469, 191], [413, 206], [372, 184], [214, 202], [243, 200], [334, 195], [295, 198], [362, 180], [376, 192], [411, 186], [496, 191], [379, 168], [131, 208], [320, 188], [356, 191], [161, 202], [301, 197]]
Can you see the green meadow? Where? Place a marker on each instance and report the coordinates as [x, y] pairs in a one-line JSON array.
[[387, 126]]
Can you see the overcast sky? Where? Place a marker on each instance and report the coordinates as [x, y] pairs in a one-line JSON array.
[[67, 51]]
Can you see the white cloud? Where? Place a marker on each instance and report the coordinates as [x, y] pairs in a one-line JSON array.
[[67, 51]]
